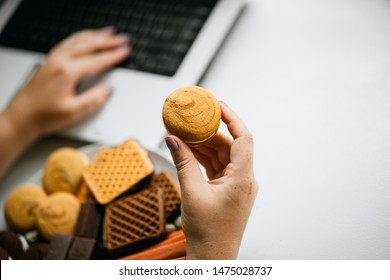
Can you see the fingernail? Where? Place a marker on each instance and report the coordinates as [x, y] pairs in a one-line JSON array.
[[109, 89], [124, 36], [124, 48], [171, 143], [223, 103], [109, 29]]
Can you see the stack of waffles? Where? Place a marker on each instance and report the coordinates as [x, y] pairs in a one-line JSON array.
[[139, 206]]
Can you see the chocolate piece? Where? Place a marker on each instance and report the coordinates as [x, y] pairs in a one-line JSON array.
[[81, 249], [133, 219], [35, 252], [89, 220], [11, 243], [3, 254], [59, 247]]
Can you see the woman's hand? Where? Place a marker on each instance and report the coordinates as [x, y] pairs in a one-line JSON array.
[[49, 102], [215, 212]]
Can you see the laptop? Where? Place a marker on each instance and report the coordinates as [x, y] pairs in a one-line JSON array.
[[173, 42]]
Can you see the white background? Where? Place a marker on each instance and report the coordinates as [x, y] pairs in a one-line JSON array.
[[281, 270], [311, 79]]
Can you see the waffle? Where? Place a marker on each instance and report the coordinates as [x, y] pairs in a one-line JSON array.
[[83, 193], [116, 170], [134, 218], [170, 189]]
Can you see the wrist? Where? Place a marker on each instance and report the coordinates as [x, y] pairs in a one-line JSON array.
[[13, 140], [19, 126], [212, 250]]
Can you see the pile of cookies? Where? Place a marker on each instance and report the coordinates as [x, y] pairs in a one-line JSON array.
[[112, 207]]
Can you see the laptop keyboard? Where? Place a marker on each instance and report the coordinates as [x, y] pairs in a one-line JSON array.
[[162, 31]]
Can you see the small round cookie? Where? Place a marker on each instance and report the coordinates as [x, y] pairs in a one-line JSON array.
[[192, 114], [20, 206], [11, 243], [63, 170], [57, 214]]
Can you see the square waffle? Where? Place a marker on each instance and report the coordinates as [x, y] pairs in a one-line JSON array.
[[134, 218], [170, 189], [116, 170]]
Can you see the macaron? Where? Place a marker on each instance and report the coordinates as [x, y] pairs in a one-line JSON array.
[[57, 214], [63, 170], [193, 114], [20, 205]]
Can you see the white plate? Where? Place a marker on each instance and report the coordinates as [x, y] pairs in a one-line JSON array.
[[160, 163]]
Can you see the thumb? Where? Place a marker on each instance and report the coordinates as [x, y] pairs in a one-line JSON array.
[[187, 167]]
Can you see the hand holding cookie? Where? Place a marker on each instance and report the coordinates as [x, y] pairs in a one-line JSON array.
[[215, 212]]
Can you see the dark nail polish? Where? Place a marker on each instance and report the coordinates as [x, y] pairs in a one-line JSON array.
[[124, 48], [223, 103], [109, 29], [124, 36], [171, 143], [110, 90]]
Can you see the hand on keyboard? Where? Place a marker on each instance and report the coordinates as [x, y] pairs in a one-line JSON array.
[[49, 101], [162, 31]]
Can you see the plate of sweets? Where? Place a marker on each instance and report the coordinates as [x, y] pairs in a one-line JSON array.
[[97, 202]]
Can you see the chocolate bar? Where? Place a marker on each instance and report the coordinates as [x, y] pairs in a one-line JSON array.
[[59, 246], [89, 220], [81, 248]]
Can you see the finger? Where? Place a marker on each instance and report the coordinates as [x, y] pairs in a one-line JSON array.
[[242, 147], [90, 101], [66, 46], [212, 156], [95, 63], [206, 163], [218, 141], [98, 42], [188, 171], [234, 124], [221, 144]]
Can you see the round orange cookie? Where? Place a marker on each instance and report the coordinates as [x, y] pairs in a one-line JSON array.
[[57, 214], [192, 114], [20, 206], [63, 170]]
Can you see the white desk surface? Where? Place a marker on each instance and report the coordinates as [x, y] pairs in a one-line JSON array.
[[311, 78]]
